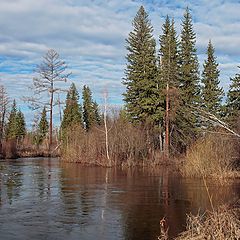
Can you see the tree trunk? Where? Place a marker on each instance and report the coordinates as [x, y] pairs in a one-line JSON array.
[[51, 120], [167, 125]]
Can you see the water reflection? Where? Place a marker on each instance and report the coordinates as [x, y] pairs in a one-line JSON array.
[[42, 199]]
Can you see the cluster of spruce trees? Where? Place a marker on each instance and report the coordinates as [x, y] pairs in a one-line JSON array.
[[175, 64], [85, 116], [74, 114], [15, 127]]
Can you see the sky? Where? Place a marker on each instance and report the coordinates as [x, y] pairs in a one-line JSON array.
[[90, 36]]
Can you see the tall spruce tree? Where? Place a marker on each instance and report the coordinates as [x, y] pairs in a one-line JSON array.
[[43, 126], [98, 118], [211, 92], [16, 127], [72, 114], [142, 93], [189, 73], [20, 125], [169, 59], [233, 101], [11, 128], [90, 109], [188, 122], [169, 74]]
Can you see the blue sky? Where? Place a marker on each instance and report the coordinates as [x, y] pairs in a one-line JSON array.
[[90, 37]]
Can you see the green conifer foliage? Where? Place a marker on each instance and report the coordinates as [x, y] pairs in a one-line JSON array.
[[169, 73], [43, 125], [187, 122], [233, 101], [98, 118], [73, 112], [90, 109], [211, 92], [11, 128], [142, 93], [21, 125], [169, 66], [189, 73], [16, 127]]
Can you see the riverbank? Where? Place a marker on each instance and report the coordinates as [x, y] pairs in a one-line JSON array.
[[221, 223], [12, 149]]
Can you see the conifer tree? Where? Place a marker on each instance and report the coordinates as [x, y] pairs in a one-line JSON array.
[[142, 93], [72, 114], [211, 92], [20, 125], [169, 74], [169, 62], [187, 121], [16, 127], [189, 73], [11, 128], [98, 118], [233, 100], [90, 109], [43, 125]]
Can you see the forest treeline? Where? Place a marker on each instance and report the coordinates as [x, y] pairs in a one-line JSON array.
[[170, 106]]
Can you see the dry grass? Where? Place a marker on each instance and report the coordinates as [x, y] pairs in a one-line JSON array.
[[221, 224], [213, 156]]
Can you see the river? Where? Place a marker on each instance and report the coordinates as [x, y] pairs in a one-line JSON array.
[[42, 198]]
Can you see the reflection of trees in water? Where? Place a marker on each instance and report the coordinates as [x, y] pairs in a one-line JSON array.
[[77, 195], [85, 195], [137, 199], [43, 175], [14, 182], [196, 192], [150, 198]]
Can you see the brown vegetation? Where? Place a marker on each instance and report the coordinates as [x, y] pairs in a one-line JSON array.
[[128, 145], [216, 156], [221, 224], [26, 147]]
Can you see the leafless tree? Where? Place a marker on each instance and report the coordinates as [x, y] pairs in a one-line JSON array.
[[105, 96], [4, 101], [51, 72]]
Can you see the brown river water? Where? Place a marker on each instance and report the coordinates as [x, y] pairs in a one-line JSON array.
[[41, 198]]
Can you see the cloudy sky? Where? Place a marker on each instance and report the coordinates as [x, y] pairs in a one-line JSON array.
[[90, 36]]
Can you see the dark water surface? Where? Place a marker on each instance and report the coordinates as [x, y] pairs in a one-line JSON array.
[[43, 199]]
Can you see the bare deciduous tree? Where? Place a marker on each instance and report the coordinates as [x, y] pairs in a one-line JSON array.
[[105, 96], [4, 101], [50, 72]]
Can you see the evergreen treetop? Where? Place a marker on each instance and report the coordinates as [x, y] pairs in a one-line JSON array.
[[43, 125], [16, 127], [189, 73], [211, 92], [142, 94], [233, 100], [73, 111], [90, 109]]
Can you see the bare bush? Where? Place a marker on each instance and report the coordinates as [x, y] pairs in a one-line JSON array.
[[128, 145]]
